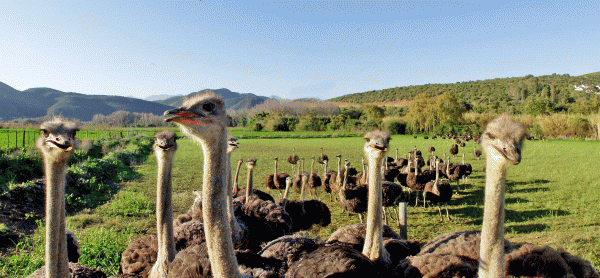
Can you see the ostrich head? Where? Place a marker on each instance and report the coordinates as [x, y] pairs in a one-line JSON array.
[[57, 139], [377, 143], [503, 139], [165, 143], [201, 116], [232, 144], [251, 162]]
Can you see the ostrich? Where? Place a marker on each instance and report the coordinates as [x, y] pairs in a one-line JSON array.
[[276, 180], [203, 118], [164, 147], [416, 182], [322, 158], [236, 186], [482, 254], [454, 150], [438, 192], [314, 180], [56, 144], [391, 193], [353, 196], [297, 182], [304, 213], [326, 180], [249, 191], [465, 168], [293, 159]]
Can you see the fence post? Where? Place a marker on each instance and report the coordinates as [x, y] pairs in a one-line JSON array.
[[402, 220], [16, 137], [24, 138]]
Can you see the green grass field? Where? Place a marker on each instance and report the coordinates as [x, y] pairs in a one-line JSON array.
[[552, 197]]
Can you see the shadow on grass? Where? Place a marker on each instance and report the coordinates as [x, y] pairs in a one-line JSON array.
[[521, 216], [525, 229], [516, 201]]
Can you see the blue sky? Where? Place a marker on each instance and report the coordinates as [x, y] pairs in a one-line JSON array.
[[290, 49]]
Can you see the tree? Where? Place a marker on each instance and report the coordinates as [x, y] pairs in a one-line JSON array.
[[373, 111]]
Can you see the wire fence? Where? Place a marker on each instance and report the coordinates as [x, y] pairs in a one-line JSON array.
[[15, 138]]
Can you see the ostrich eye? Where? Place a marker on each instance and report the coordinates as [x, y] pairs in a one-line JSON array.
[[45, 132], [208, 107], [367, 139]]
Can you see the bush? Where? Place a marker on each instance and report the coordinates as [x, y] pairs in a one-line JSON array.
[[395, 127], [372, 124], [257, 127]]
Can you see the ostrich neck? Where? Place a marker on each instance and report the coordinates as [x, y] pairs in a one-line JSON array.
[[214, 198], [373, 247], [492, 232], [236, 186], [338, 177], [164, 216], [286, 194], [56, 249], [249, 185]]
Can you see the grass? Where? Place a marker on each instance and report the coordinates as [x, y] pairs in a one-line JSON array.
[[552, 197]]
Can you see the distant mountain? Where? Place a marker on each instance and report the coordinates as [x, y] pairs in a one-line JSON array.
[[157, 97], [233, 100], [40, 102]]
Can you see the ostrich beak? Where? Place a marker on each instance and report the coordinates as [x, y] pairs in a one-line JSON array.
[[182, 115]]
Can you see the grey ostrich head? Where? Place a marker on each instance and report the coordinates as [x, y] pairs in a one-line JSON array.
[[376, 143], [251, 162], [165, 140], [503, 139], [201, 116], [57, 139], [232, 144]]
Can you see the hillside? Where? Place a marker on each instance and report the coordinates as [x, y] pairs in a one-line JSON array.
[[558, 88], [40, 102], [233, 100]]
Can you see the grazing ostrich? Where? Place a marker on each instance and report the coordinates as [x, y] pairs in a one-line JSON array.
[[454, 150], [203, 119], [276, 180], [293, 159], [438, 192], [314, 180], [353, 197], [56, 145], [487, 253]]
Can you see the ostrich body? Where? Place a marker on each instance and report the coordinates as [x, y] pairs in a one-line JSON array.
[[352, 197], [416, 182], [314, 180], [476, 153], [56, 144], [203, 118], [438, 192], [304, 213], [164, 147], [293, 159], [454, 150], [236, 186], [276, 180]]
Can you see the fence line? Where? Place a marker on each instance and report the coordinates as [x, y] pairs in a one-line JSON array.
[[15, 138]]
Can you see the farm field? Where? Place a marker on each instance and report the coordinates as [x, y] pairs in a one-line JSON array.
[[552, 197]]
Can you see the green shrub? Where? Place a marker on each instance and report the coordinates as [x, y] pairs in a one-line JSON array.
[[372, 124], [395, 127], [257, 127]]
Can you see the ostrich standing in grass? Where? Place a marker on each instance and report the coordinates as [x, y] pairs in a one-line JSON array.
[[353, 195], [276, 180], [487, 253], [314, 181], [56, 145], [438, 192], [293, 159]]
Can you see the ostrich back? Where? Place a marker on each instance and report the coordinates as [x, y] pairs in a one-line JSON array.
[[76, 270], [140, 256], [354, 198], [314, 181], [454, 149], [241, 195], [265, 221], [354, 235], [390, 193], [280, 184], [417, 182], [288, 249], [443, 195], [391, 173], [332, 261]]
